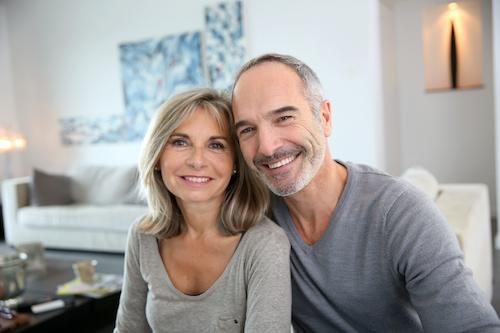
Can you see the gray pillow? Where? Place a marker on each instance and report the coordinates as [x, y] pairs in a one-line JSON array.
[[103, 185], [50, 190]]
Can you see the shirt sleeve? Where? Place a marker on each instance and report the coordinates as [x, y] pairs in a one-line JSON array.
[[131, 316], [268, 283], [427, 260]]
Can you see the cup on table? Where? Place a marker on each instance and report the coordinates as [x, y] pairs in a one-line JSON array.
[[36, 255], [85, 270]]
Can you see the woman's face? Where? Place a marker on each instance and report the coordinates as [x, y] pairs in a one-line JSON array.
[[198, 160]]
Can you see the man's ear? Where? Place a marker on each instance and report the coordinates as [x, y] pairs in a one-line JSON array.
[[326, 117]]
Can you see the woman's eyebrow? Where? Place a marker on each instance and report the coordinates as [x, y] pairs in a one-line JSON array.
[[183, 135]]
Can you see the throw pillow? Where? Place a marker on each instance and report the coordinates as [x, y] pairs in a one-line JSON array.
[[423, 180], [49, 189], [103, 185], [135, 196]]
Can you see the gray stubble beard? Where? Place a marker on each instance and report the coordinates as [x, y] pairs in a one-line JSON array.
[[303, 179]]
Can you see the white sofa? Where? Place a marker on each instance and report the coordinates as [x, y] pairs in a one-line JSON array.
[[104, 205], [466, 207]]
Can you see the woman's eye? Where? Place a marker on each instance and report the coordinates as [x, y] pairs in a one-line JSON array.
[[178, 142], [217, 145]]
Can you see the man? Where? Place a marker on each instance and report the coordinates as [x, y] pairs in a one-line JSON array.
[[369, 251]]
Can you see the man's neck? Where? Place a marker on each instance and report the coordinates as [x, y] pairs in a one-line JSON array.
[[312, 207]]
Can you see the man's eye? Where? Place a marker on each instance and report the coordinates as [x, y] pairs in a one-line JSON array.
[[284, 118], [217, 145], [246, 130]]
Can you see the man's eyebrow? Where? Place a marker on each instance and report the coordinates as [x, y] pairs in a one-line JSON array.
[[241, 123], [270, 114], [283, 109]]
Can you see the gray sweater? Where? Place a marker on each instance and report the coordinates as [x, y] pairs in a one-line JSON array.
[[388, 262], [251, 295]]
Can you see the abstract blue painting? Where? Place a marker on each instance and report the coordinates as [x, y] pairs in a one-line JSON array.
[[225, 49], [106, 129], [153, 70]]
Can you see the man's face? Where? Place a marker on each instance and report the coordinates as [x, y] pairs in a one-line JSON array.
[[279, 135]]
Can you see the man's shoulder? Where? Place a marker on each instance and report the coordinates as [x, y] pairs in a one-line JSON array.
[[380, 189], [365, 170], [364, 176]]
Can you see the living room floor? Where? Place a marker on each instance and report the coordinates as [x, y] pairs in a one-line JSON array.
[[113, 263]]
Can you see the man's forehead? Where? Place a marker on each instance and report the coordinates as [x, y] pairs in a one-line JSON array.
[[265, 82], [268, 71]]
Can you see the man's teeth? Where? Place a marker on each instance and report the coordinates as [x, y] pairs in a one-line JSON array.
[[197, 179], [281, 163]]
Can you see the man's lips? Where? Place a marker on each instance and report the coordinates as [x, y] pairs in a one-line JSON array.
[[281, 157], [281, 162], [277, 163]]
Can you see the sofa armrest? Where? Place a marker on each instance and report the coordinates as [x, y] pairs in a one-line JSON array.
[[15, 194], [466, 207]]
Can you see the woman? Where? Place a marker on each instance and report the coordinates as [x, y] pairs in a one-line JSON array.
[[205, 259]]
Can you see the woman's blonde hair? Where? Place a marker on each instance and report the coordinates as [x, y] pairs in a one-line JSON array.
[[246, 198]]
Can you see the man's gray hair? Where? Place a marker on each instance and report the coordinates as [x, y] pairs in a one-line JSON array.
[[313, 91]]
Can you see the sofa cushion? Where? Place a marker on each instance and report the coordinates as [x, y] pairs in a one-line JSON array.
[[85, 217], [423, 180], [50, 189], [104, 185]]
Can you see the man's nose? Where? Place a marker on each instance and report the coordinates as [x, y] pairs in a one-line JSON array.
[[268, 141], [196, 159]]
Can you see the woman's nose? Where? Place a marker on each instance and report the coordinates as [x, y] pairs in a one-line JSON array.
[[196, 159]]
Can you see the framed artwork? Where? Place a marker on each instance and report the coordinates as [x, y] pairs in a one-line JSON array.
[[154, 70]]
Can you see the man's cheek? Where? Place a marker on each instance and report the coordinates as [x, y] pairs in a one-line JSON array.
[[246, 152]]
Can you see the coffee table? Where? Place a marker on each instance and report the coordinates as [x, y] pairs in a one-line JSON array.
[[82, 314]]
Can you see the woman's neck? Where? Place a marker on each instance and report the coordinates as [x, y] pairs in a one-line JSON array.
[[201, 219]]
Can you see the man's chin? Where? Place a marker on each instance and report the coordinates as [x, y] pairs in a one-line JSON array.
[[283, 191], [280, 189]]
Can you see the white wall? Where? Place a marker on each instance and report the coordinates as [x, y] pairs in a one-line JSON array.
[[339, 40], [392, 119], [495, 13], [65, 62], [8, 119], [450, 133]]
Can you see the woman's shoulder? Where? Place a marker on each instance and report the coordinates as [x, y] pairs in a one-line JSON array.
[[265, 245], [267, 231], [137, 235]]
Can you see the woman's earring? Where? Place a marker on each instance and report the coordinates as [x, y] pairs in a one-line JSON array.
[[157, 168], [234, 171]]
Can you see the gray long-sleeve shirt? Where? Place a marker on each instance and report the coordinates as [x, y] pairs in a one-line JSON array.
[[388, 262], [252, 294]]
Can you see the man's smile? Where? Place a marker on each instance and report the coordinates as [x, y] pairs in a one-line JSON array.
[[281, 162]]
